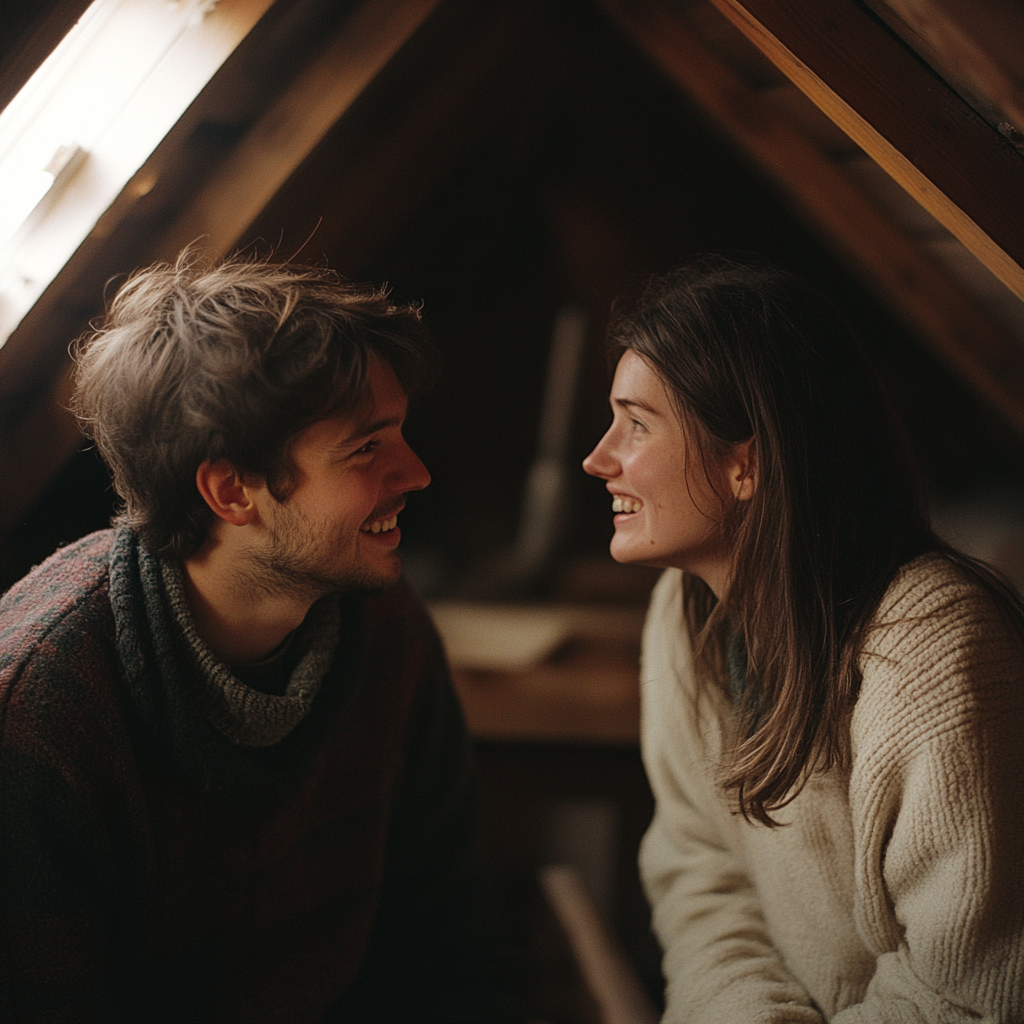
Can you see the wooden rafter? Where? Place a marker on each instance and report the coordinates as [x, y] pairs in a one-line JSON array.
[[29, 32], [903, 115], [896, 268], [289, 132]]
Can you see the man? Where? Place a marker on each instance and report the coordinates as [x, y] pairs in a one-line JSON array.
[[235, 779]]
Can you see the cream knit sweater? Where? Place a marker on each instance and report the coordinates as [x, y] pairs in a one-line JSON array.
[[896, 891]]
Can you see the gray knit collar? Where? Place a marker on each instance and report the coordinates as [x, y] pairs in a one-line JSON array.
[[247, 717]]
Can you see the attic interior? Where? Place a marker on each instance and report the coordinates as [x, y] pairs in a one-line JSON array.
[[513, 160]]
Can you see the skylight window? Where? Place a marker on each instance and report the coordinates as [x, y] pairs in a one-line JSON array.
[[89, 118]]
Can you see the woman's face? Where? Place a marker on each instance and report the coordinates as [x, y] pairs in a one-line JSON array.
[[666, 511]]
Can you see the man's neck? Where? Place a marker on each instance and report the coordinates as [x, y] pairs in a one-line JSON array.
[[240, 625]]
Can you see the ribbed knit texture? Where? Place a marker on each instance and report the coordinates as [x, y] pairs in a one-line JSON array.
[[895, 890], [245, 716]]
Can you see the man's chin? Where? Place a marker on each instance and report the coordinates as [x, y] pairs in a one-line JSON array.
[[376, 584], [367, 579], [298, 577]]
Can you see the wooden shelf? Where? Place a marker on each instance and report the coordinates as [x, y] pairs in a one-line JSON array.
[[588, 692]]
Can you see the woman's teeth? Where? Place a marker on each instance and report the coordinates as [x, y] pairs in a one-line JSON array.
[[381, 525], [626, 504]]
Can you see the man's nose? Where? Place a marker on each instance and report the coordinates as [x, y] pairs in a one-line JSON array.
[[412, 474]]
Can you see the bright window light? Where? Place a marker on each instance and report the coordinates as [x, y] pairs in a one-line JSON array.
[[90, 117]]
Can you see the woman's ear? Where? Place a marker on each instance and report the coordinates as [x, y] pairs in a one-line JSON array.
[[226, 491], [741, 470]]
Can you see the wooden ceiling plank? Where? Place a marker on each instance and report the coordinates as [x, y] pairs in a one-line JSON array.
[[904, 116], [971, 44], [733, 48], [291, 129], [372, 192], [920, 292], [902, 209]]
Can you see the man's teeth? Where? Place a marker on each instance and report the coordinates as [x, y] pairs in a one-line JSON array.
[[381, 525], [626, 504]]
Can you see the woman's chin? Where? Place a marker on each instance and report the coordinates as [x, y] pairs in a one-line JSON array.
[[633, 554], [620, 552]]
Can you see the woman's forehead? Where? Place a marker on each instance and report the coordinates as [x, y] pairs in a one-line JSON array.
[[637, 384]]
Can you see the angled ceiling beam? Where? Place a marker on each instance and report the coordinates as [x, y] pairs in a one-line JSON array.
[[291, 129], [903, 275], [902, 115]]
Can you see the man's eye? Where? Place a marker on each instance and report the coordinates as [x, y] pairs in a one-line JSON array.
[[367, 448]]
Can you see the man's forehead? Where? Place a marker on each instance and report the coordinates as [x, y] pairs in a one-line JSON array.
[[380, 404], [383, 398]]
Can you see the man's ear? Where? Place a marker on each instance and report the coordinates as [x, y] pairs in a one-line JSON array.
[[741, 470], [225, 490]]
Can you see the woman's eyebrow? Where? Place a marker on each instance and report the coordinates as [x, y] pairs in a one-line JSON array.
[[632, 403]]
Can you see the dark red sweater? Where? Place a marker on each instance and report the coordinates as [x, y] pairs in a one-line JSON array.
[[150, 870]]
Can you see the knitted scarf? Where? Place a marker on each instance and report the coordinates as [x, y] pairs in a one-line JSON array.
[[225, 738]]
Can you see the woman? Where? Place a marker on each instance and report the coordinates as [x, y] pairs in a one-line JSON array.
[[833, 718]]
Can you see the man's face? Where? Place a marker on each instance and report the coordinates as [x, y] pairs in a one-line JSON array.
[[337, 530]]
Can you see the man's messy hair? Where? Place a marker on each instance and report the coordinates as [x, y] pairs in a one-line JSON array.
[[194, 362]]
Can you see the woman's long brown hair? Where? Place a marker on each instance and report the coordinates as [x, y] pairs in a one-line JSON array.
[[751, 352]]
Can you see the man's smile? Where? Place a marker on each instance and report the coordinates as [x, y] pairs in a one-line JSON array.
[[380, 525]]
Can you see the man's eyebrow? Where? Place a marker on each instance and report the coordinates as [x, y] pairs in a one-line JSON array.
[[361, 430]]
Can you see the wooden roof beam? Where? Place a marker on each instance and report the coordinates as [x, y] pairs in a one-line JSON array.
[[357, 191], [290, 131], [903, 115], [921, 292]]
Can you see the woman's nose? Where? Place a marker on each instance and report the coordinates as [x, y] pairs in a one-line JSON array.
[[601, 462]]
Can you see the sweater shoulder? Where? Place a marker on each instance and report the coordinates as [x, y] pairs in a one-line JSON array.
[[62, 606], [63, 581], [932, 610], [939, 654], [928, 584]]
